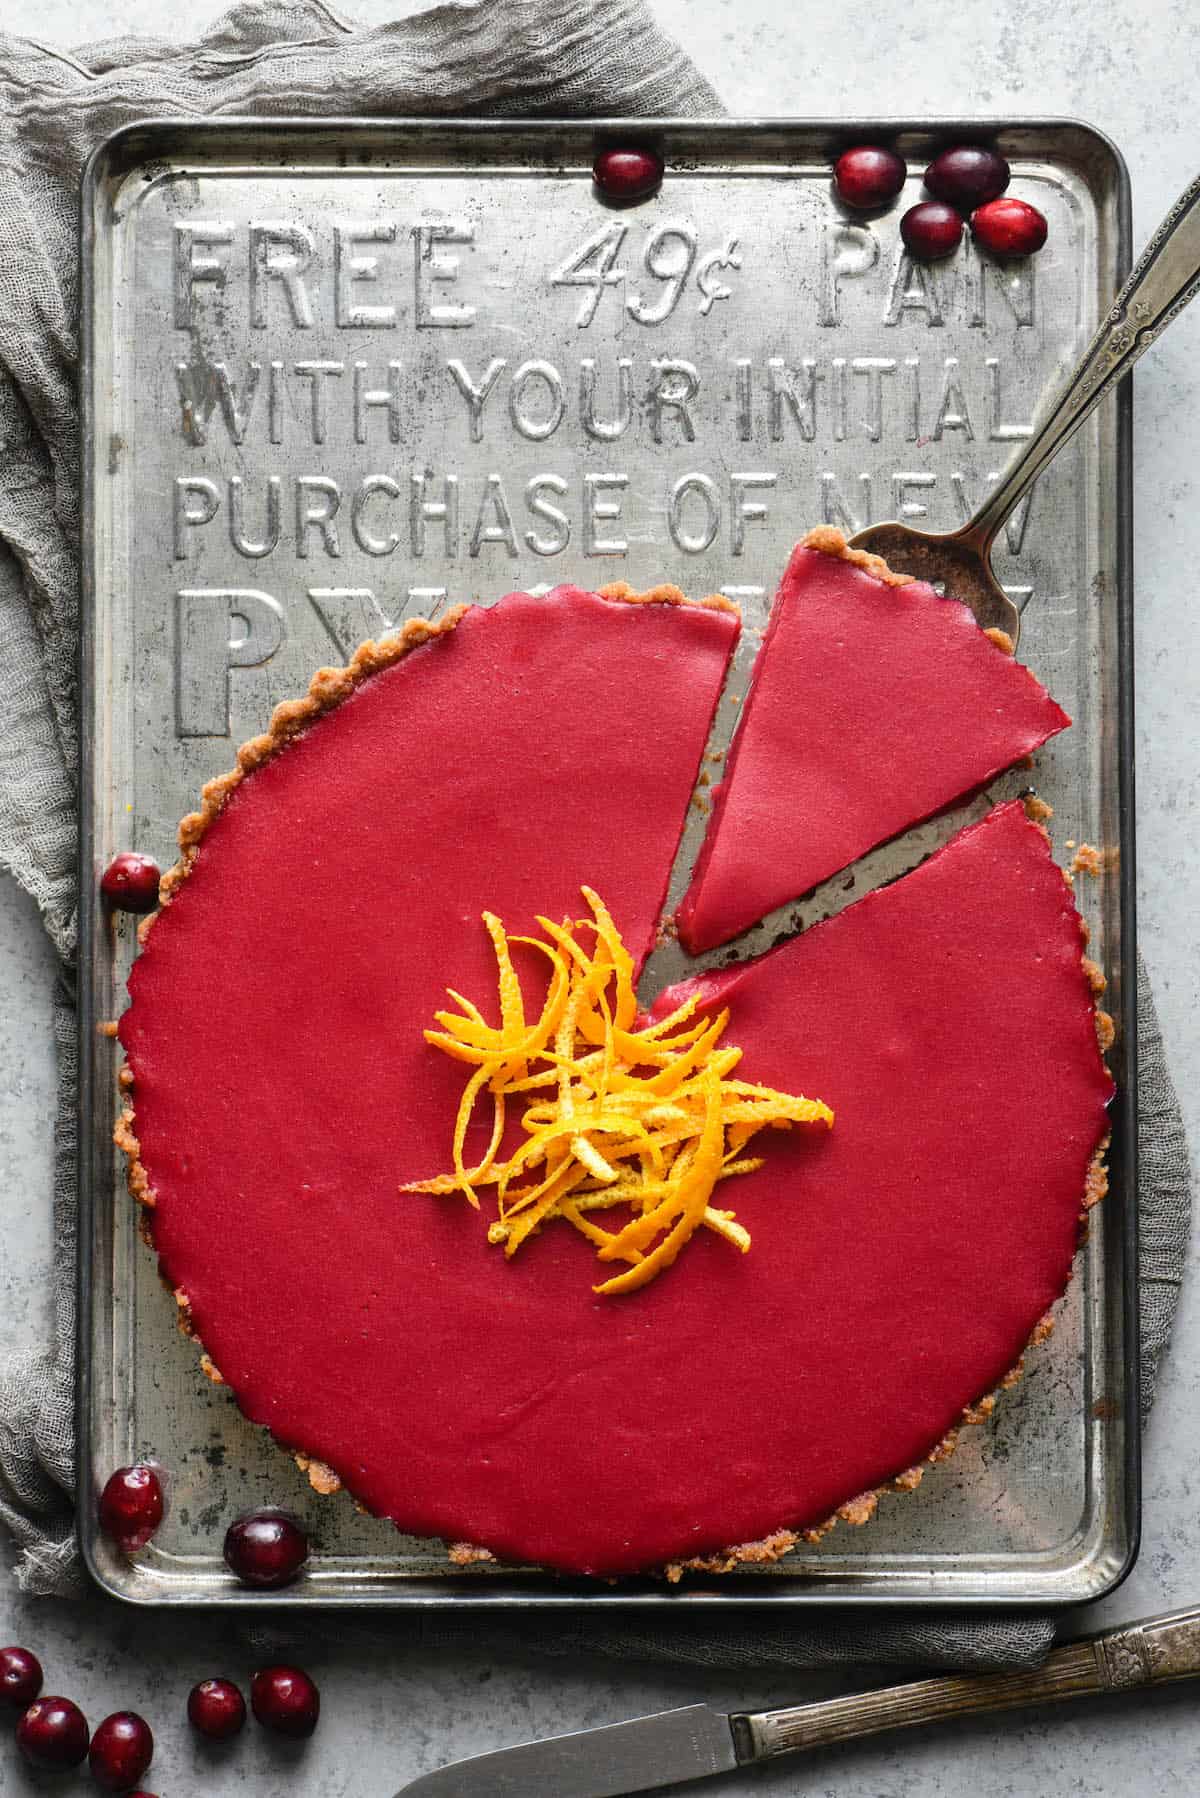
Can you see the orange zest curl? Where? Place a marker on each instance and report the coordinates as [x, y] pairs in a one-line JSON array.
[[649, 1119]]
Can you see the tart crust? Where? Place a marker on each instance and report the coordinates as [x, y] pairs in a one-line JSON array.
[[329, 688], [831, 542]]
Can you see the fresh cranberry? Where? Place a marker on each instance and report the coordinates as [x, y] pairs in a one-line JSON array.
[[266, 1549], [967, 176], [931, 229], [20, 1678], [130, 882], [122, 1748], [628, 174], [53, 1732], [1009, 227], [216, 1709], [131, 1507], [868, 176], [286, 1700]]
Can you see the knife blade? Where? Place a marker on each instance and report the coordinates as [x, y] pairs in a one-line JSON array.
[[640, 1755]]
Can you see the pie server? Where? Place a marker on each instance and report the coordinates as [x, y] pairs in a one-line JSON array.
[[648, 1753], [1165, 279]]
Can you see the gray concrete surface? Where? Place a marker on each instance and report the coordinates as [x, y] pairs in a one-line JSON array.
[[1130, 71]]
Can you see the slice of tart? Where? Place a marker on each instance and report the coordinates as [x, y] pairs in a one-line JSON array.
[[874, 704]]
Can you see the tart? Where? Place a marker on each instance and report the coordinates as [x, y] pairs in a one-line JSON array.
[[279, 1093], [874, 704]]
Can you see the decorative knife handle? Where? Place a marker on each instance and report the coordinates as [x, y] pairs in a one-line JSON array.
[[1138, 1654], [1166, 277]]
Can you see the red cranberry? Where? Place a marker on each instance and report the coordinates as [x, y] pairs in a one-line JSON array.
[[131, 1507], [628, 174], [286, 1700], [868, 176], [216, 1709], [967, 176], [266, 1549], [53, 1732], [1009, 227], [130, 882], [20, 1678], [122, 1748], [931, 229]]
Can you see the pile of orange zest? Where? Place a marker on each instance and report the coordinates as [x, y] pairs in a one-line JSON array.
[[614, 1115]]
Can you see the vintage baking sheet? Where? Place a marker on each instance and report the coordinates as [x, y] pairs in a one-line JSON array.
[[340, 376]]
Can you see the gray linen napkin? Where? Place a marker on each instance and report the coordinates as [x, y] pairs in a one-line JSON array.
[[553, 57]]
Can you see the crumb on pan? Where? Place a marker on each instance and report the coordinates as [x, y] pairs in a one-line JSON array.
[[464, 1554], [321, 1478], [1087, 860]]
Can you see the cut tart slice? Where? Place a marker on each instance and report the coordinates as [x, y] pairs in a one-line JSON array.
[[874, 704]]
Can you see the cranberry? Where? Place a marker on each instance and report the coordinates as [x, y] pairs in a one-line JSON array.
[[868, 176], [967, 176], [131, 1507], [931, 229], [130, 882], [122, 1748], [286, 1700], [53, 1732], [628, 174], [1009, 227], [216, 1709], [266, 1549], [20, 1678]]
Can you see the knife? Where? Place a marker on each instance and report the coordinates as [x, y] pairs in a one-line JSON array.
[[648, 1753]]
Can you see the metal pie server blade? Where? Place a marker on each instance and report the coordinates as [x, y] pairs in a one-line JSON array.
[[641, 1755]]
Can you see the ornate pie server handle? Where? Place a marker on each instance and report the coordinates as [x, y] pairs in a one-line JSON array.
[[1167, 276], [1138, 1654]]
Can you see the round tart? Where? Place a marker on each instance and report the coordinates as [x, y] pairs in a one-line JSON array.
[[280, 1091]]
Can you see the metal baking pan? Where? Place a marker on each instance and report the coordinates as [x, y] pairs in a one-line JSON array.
[[339, 374]]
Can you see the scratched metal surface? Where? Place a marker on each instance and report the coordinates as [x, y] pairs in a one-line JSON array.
[[338, 377]]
